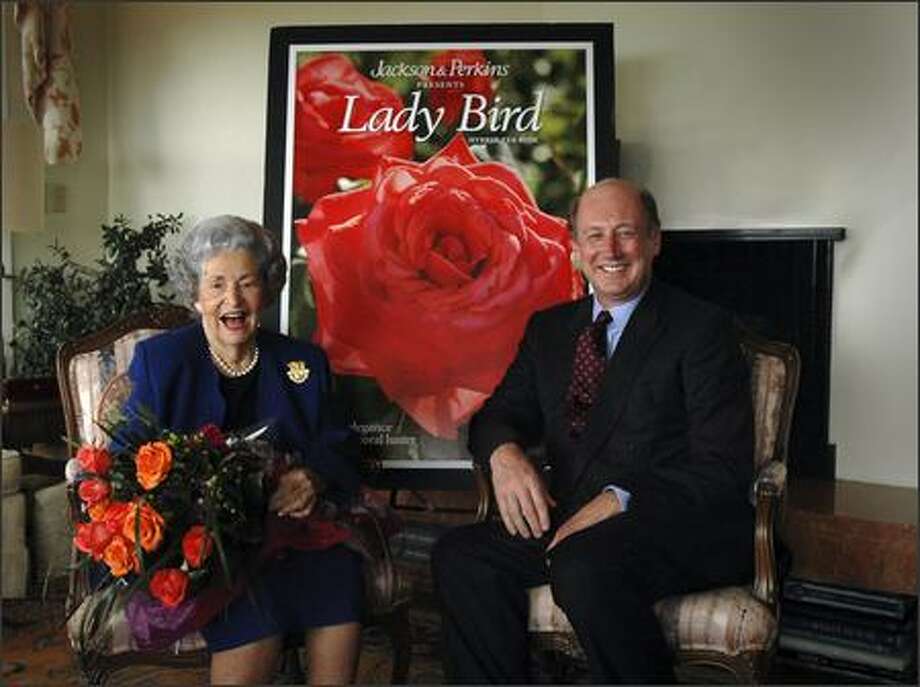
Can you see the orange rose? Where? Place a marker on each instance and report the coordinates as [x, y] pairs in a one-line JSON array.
[[153, 463], [94, 490], [97, 511], [92, 538], [94, 459], [196, 545], [120, 556], [149, 523], [169, 586]]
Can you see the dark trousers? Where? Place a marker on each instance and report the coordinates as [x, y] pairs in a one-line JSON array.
[[605, 578]]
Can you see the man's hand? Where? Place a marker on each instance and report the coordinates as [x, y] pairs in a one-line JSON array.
[[296, 493], [522, 497], [604, 505]]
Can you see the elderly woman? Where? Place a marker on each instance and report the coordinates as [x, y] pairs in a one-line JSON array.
[[224, 369]]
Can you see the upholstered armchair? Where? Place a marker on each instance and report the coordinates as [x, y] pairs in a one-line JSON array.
[[92, 374], [726, 634]]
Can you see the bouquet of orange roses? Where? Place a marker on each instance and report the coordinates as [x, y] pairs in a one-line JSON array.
[[175, 525]]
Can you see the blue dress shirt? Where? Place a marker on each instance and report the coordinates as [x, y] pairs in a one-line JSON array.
[[620, 315]]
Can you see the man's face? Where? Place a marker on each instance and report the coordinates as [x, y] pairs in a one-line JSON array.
[[614, 245]]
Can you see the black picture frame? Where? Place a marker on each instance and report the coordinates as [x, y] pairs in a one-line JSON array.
[[593, 43]]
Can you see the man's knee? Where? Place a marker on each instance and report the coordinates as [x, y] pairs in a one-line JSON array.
[[575, 583], [582, 583]]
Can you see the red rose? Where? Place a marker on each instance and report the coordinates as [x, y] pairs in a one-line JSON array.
[[213, 436], [426, 279], [465, 71], [94, 459], [323, 153], [169, 586], [93, 491], [92, 538], [196, 545], [115, 515]]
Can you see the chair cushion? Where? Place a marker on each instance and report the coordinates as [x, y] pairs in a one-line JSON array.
[[15, 554], [727, 620], [52, 532], [545, 615], [12, 471]]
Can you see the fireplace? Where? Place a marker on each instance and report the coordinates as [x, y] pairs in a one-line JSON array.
[[779, 282]]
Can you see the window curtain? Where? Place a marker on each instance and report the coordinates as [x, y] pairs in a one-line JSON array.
[[48, 77]]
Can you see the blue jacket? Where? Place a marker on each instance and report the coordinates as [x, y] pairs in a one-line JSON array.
[[172, 375]]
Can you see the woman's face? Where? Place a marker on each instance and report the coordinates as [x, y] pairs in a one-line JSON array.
[[230, 296]]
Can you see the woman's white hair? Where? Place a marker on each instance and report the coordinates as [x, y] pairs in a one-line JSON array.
[[227, 233]]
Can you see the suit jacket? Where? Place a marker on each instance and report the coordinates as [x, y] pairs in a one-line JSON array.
[[172, 375], [673, 421]]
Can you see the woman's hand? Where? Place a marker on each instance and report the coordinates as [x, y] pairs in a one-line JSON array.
[[296, 493]]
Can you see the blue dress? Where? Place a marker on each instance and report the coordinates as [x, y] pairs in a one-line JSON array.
[[173, 376]]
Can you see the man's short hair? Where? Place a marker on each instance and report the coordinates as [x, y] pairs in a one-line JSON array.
[[649, 204]]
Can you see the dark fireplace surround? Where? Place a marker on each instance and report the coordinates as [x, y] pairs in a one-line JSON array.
[[779, 282]]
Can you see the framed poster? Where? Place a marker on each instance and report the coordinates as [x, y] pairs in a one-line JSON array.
[[420, 177]]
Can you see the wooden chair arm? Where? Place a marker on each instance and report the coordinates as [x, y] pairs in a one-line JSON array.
[[769, 490], [386, 588]]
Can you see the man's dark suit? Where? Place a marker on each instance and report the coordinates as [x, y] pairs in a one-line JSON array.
[[672, 426]]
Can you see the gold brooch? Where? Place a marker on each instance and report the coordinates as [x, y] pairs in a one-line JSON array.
[[297, 371]]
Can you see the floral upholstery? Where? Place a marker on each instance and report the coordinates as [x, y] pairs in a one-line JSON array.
[[99, 378]]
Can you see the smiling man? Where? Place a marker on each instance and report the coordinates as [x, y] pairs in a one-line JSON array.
[[639, 396]]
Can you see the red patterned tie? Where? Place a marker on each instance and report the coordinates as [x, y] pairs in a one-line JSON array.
[[587, 371]]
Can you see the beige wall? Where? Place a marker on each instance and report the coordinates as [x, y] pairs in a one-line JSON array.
[[734, 114]]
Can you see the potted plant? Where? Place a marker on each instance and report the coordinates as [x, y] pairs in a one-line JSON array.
[[64, 300]]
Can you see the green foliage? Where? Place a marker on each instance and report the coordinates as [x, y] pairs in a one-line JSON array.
[[64, 300]]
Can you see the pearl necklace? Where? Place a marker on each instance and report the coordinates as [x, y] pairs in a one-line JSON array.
[[229, 370]]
